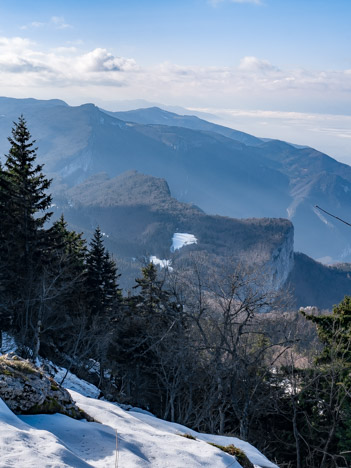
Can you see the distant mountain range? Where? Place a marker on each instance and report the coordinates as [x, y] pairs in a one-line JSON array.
[[223, 171]]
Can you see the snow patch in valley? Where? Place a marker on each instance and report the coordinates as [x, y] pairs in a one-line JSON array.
[[161, 263], [180, 239]]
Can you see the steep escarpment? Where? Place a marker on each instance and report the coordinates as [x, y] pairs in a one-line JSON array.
[[282, 261], [139, 218]]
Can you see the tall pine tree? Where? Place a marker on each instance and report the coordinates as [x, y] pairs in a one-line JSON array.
[[24, 210], [65, 301], [101, 279]]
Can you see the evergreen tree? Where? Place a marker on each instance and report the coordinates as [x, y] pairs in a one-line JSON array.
[[5, 310], [101, 283], [152, 300], [65, 283], [24, 203], [146, 326], [329, 395], [334, 330]]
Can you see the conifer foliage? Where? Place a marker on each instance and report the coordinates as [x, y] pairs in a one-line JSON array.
[[102, 277], [24, 203]]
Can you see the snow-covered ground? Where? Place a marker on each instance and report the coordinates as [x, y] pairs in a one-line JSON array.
[[119, 438], [180, 239], [142, 440]]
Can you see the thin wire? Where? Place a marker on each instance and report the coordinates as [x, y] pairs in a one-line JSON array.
[[333, 216]]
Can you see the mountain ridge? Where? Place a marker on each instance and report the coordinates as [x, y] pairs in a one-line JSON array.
[[217, 173]]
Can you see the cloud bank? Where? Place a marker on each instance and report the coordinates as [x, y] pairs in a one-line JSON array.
[[25, 65], [77, 75]]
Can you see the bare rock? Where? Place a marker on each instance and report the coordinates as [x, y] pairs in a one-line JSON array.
[[27, 390]]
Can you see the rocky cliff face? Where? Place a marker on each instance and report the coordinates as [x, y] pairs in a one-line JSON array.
[[282, 261]]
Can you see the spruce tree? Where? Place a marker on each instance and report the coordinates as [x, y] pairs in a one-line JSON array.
[[24, 204], [152, 300], [5, 309], [330, 392], [101, 281], [65, 279]]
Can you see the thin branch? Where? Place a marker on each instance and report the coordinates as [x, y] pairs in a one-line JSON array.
[[333, 216]]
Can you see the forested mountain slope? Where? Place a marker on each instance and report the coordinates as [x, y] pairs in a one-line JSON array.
[[218, 173]]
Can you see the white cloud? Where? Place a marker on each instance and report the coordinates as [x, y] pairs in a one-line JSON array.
[[57, 22], [255, 64], [251, 76], [253, 81], [100, 60], [24, 65], [73, 74], [33, 24]]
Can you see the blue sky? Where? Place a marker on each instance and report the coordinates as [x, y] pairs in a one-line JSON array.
[[276, 68]]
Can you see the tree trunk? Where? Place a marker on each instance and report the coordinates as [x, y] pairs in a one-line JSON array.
[[296, 436], [221, 421], [36, 344], [244, 423]]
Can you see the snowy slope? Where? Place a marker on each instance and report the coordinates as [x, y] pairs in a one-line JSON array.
[[142, 440], [22, 445], [57, 441]]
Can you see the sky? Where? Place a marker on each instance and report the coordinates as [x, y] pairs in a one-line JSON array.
[[273, 68]]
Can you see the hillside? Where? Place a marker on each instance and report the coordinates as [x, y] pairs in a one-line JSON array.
[[126, 437], [155, 115], [139, 218], [319, 285], [205, 165]]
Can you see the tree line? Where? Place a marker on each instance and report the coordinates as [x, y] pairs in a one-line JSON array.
[[211, 350]]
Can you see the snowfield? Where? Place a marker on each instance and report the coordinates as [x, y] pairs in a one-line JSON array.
[[142, 441], [180, 239], [161, 263]]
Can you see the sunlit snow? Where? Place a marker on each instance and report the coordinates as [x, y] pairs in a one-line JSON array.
[[180, 239], [142, 440], [161, 263], [131, 438]]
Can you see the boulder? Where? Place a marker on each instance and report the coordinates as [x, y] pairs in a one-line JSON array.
[[27, 390]]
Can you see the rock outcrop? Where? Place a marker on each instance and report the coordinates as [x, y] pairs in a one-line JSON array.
[[27, 390], [282, 261]]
